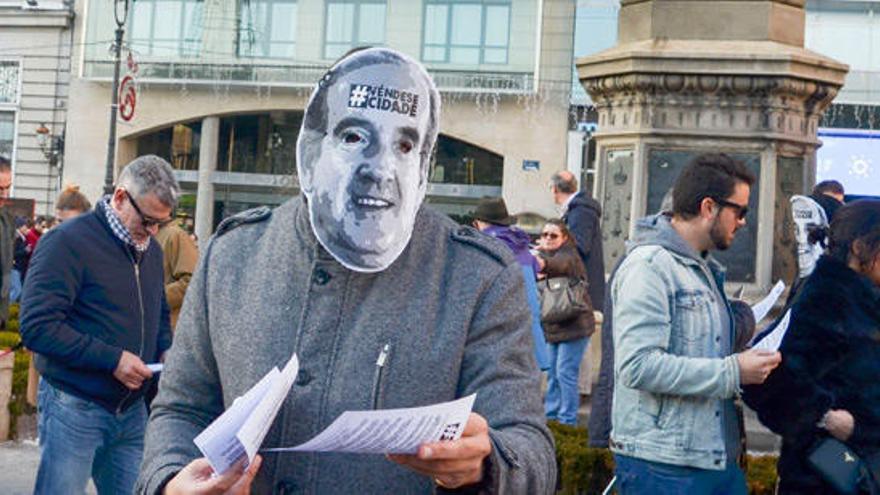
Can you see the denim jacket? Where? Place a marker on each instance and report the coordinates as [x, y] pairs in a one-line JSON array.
[[672, 375]]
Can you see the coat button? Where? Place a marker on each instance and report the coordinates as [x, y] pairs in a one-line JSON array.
[[303, 377], [717, 413], [717, 462], [321, 277], [717, 339], [285, 487]]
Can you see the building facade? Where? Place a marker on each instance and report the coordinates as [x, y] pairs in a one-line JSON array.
[[35, 48], [221, 87]]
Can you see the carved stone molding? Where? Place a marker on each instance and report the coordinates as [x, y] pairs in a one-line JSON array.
[[712, 104]]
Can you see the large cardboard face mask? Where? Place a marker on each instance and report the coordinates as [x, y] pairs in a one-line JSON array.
[[365, 173]]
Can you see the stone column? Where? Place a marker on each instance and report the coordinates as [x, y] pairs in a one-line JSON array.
[[205, 191], [691, 76]]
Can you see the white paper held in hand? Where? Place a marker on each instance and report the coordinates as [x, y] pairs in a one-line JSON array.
[[155, 367], [390, 431], [762, 308], [240, 430], [773, 340]]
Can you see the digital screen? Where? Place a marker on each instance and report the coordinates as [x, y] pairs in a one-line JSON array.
[[852, 158]]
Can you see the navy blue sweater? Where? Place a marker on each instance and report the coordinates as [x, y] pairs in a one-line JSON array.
[[82, 306]]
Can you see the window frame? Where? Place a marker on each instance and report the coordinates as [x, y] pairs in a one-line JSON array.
[[482, 47], [355, 28], [186, 48], [264, 47], [13, 107]]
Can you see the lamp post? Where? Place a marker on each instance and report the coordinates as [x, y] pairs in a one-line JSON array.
[[51, 146], [114, 105]]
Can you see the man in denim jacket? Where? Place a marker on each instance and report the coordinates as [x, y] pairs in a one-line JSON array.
[[674, 425]]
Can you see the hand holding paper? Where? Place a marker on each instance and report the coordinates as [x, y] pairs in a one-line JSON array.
[[453, 464]]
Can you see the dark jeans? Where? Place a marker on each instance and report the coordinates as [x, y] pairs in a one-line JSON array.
[[640, 477]]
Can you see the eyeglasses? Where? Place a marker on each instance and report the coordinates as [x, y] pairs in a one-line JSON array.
[[549, 235], [741, 211], [146, 221]]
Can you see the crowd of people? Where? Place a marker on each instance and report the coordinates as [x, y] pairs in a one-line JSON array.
[[358, 267]]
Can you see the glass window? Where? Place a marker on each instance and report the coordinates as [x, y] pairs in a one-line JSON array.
[[459, 162], [267, 28], [263, 143], [468, 32], [9, 79], [166, 28], [352, 23], [7, 134]]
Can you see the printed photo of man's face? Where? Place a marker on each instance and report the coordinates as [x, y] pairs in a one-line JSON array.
[[366, 182]]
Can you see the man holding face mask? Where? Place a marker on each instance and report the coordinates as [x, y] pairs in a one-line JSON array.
[[356, 268]]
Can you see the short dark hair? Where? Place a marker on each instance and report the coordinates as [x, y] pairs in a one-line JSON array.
[[710, 175], [5, 164], [564, 184], [828, 186], [856, 222]]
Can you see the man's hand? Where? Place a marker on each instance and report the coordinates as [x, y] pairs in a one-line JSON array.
[[196, 479], [840, 424], [755, 365], [453, 464], [131, 371]]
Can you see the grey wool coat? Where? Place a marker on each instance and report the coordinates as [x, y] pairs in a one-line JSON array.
[[452, 308]]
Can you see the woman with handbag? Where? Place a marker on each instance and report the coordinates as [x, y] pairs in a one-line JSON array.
[[567, 318], [825, 397]]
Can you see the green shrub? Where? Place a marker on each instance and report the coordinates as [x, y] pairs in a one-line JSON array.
[[586, 471]]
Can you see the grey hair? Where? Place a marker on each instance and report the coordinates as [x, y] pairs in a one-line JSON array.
[[150, 174], [563, 184]]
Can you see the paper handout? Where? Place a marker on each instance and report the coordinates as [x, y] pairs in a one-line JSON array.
[[773, 340], [763, 307], [155, 367], [390, 431], [241, 429]]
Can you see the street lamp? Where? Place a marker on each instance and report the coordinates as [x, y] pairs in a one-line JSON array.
[[51, 146], [120, 18]]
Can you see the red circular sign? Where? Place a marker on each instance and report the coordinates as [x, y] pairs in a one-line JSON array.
[[127, 98]]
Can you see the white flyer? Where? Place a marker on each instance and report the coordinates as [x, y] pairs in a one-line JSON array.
[[155, 367], [773, 340], [390, 431], [762, 308], [240, 430]]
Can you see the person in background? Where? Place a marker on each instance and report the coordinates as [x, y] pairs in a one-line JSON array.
[[7, 238], [491, 217], [675, 426], [71, 203], [582, 215], [20, 259], [94, 313], [180, 259], [567, 340], [35, 232], [829, 381], [830, 196]]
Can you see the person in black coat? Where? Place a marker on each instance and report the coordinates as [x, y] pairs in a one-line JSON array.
[[582, 214], [829, 380]]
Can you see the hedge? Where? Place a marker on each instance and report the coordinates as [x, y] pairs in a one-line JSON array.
[[587, 471], [18, 402]]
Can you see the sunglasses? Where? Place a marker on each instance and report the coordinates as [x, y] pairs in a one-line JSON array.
[[549, 235], [146, 221], [741, 211]]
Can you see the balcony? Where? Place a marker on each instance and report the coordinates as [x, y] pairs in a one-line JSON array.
[[299, 75]]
